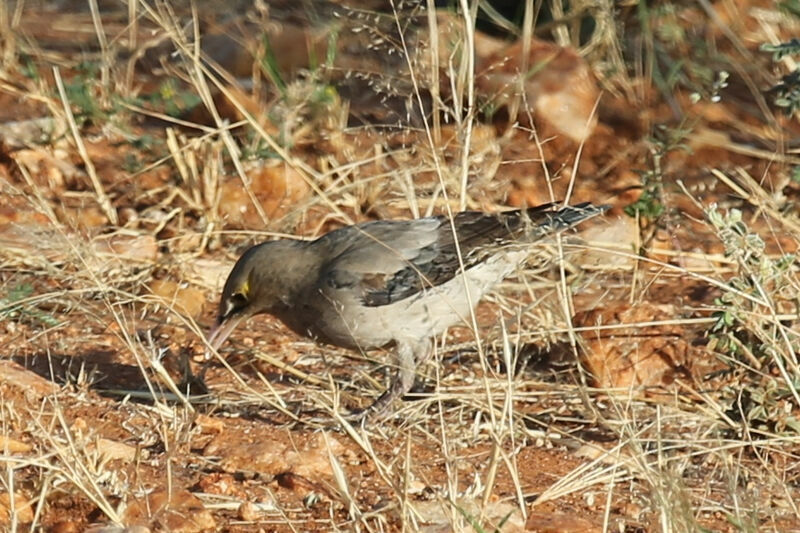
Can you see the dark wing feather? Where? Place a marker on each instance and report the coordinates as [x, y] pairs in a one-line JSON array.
[[389, 261], [437, 263]]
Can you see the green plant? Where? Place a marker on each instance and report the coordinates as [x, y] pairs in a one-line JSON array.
[[758, 276], [269, 63], [256, 148], [28, 68], [132, 163], [745, 325], [650, 204], [172, 100], [794, 174], [81, 94], [786, 91], [13, 306], [790, 7], [766, 406], [677, 55]]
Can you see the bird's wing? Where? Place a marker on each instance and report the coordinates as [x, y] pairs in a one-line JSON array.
[[384, 262]]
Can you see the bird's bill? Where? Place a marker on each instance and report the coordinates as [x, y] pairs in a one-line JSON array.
[[221, 331]]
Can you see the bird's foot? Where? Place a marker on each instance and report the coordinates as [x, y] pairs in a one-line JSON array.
[[381, 408]]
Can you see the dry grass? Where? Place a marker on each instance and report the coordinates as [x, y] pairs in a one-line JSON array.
[[490, 443]]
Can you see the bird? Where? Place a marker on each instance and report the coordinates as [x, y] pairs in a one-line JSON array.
[[387, 283]]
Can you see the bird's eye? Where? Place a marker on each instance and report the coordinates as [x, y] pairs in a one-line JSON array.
[[238, 300], [235, 302]]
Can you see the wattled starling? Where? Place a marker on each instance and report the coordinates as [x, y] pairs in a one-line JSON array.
[[387, 283]]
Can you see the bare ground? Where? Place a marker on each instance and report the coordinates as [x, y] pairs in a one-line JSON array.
[[643, 377]]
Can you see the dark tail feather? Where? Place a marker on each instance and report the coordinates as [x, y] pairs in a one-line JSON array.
[[547, 221]]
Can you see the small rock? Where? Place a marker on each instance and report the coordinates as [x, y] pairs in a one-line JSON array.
[[187, 300], [128, 215], [619, 233], [69, 526], [207, 273], [223, 484], [590, 451], [187, 242], [24, 133], [557, 83], [7, 444], [139, 248], [21, 217], [14, 375], [560, 523], [31, 243], [416, 486], [633, 355], [180, 512], [277, 188], [562, 89], [87, 218], [111, 449], [209, 424], [22, 509], [79, 426], [48, 168], [249, 512], [309, 459], [498, 516]]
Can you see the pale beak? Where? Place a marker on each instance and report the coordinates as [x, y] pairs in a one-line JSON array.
[[221, 331]]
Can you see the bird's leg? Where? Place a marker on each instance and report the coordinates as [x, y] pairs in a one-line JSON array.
[[422, 354], [401, 382], [408, 356]]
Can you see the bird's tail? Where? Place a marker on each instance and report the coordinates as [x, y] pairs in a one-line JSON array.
[[547, 219]]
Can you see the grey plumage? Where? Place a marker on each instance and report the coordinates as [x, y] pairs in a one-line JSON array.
[[387, 282]]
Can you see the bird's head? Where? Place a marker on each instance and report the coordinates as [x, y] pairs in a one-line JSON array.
[[254, 286]]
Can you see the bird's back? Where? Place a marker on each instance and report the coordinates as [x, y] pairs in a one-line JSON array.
[[388, 261]]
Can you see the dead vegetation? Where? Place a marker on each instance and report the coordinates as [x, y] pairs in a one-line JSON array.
[[645, 378]]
